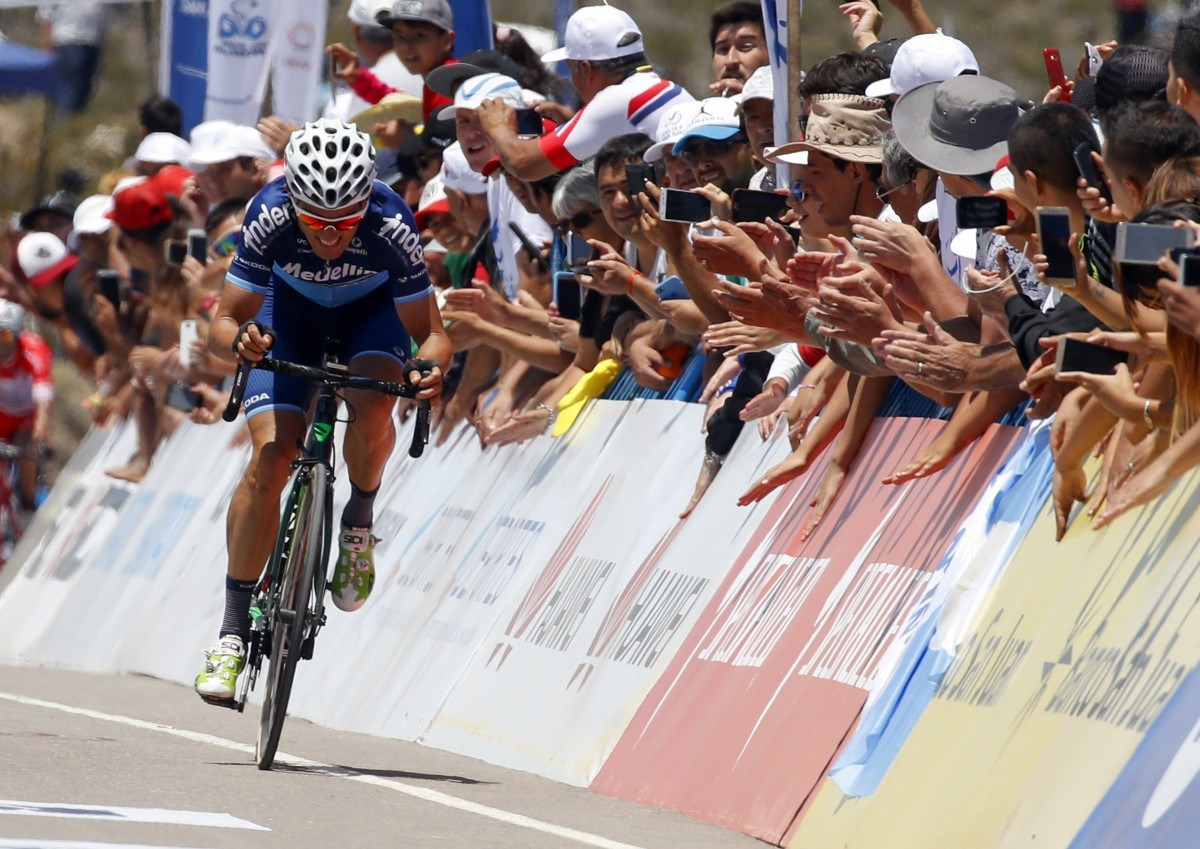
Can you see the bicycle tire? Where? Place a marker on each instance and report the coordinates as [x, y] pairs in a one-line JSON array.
[[304, 555]]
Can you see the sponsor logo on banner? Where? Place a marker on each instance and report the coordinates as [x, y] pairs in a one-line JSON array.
[[243, 29]]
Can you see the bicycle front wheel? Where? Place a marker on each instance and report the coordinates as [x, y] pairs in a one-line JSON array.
[[290, 618]]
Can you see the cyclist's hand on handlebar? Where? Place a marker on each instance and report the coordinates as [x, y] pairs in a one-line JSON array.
[[253, 341], [424, 373]]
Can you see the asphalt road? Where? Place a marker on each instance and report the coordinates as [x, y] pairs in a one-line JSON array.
[[99, 762]]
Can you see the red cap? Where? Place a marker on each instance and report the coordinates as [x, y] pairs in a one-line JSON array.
[[173, 179], [438, 206], [491, 166], [140, 206]]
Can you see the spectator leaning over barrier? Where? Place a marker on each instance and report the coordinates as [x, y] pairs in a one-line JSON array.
[[739, 46], [231, 161], [621, 94], [44, 262]]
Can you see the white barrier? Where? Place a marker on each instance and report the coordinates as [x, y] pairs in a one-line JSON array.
[[526, 600]]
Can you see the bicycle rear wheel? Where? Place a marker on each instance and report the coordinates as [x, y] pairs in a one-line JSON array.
[[291, 616]]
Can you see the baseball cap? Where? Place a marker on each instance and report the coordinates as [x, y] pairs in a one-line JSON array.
[[675, 121], [140, 206], [162, 148], [472, 93], [173, 179], [438, 133], [926, 58], [457, 174], [760, 86], [1133, 72], [849, 127], [958, 126], [436, 12], [433, 201], [90, 217], [222, 144], [42, 257], [366, 13], [62, 202], [885, 50], [596, 33], [716, 119], [445, 79]]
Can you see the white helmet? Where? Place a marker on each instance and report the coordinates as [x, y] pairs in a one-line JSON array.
[[12, 316], [329, 164]]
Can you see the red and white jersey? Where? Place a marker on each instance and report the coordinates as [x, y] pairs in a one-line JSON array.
[[25, 378], [633, 105]]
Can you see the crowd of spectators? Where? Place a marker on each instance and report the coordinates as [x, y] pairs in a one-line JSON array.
[[823, 269]]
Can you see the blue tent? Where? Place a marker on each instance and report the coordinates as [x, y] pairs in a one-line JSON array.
[[25, 69]]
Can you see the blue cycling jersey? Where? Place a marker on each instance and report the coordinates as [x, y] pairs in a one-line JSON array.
[[386, 251]]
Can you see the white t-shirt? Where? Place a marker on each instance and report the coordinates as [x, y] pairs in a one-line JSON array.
[[633, 105], [504, 207], [346, 104]]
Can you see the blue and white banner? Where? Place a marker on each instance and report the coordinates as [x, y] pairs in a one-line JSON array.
[[775, 22], [183, 72], [297, 58], [239, 37], [472, 25]]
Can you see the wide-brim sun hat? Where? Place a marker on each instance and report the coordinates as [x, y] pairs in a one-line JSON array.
[[849, 127]]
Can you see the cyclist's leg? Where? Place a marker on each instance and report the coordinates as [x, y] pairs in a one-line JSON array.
[[372, 334], [27, 467]]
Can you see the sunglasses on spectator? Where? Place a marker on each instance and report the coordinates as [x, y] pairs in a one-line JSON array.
[[881, 193], [576, 222], [708, 150], [227, 244], [341, 223], [796, 192]]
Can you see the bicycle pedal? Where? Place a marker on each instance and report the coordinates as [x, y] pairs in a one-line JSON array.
[[232, 704], [306, 649]]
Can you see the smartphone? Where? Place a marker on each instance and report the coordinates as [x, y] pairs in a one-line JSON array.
[[683, 206], [189, 332], [1054, 71], [749, 205], [197, 245], [579, 254], [109, 281], [1146, 244], [182, 397], [1094, 61], [1088, 170], [568, 295], [527, 244], [529, 123], [639, 174], [671, 289], [1189, 268], [174, 251], [1077, 355], [1054, 235], [981, 212]]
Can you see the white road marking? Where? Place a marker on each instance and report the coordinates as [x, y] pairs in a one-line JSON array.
[[11, 843], [423, 793], [116, 813]]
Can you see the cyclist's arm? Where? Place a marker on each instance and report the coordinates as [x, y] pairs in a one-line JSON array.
[[423, 321], [236, 306]]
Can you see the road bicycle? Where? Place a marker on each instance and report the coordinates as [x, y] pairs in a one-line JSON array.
[[12, 516], [288, 607]]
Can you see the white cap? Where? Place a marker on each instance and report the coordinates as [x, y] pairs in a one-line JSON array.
[[203, 133], [474, 91], [927, 58], [43, 257], [670, 129], [90, 217], [928, 212], [433, 199], [717, 119], [457, 174], [596, 33], [163, 148], [365, 12], [965, 244], [228, 143], [760, 86]]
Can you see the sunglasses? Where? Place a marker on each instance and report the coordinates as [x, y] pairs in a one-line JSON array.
[[707, 150], [796, 191], [227, 244], [342, 223], [576, 222], [881, 193]]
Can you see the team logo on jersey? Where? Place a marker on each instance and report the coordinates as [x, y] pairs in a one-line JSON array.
[[269, 218], [399, 233], [331, 274]]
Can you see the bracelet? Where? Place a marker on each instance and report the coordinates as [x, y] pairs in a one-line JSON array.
[[1146, 416], [629, 283], [551, 415]]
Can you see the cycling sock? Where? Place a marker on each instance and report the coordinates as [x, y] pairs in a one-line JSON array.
[[237, 608], [360, 509]]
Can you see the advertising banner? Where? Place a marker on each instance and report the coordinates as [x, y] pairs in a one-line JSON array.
[[183, 73], [298, 58], [239, 36]]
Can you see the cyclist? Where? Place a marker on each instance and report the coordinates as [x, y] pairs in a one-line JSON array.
[[26, 395], [326, 252]]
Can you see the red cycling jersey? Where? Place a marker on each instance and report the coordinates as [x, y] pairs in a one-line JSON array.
[[25, 380]]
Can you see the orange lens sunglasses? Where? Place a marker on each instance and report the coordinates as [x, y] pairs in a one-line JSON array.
[[342, 224]]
